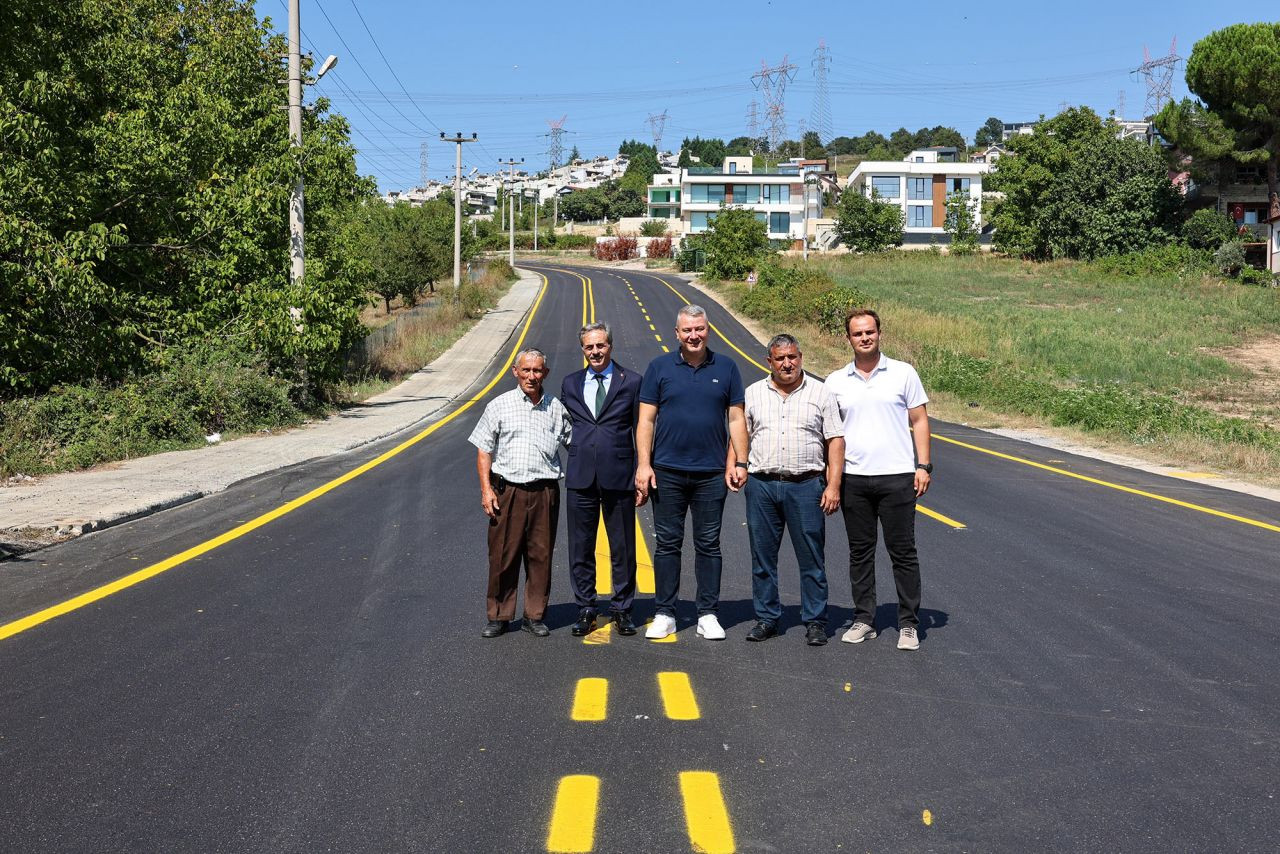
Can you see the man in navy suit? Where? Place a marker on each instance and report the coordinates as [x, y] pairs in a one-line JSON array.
[[603, 401]]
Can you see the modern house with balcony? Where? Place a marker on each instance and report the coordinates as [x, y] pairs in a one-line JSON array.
[[920, 184], [694, 195]]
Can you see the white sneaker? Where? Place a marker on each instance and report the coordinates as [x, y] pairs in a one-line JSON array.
[[908, 639], [662, 625], [709, 627], [857, 633]]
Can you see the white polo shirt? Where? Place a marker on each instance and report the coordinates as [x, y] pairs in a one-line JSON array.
[[877, 434]]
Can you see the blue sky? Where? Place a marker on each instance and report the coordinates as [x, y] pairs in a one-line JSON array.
[[409, 70]]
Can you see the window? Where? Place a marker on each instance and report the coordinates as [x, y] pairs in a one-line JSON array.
[[888, 186], [1250, 217], [698, 193], [715, 193], [763, 217], [918, 188], [777, 194], [659, 195], [698, 221], [733, 167], [959, 185], [1248, 173], [746, 194], [919, 159], [779, 223], [919, 216]]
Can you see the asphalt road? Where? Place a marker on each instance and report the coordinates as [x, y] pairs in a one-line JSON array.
[[1097, 670]]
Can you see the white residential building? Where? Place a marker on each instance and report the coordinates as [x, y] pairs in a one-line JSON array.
[[695, 195], [920, 184]]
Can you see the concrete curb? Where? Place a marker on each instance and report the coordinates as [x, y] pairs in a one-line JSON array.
[[53, 509]]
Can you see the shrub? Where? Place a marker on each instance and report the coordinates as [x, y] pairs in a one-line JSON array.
[[1229, 258], [653, 228], [1207, 229], [1170, 259], [659, 247], [574, 241], [830, 308], [961, 224], [866, 224], [616, 249], [1253, 276], [692, 254]]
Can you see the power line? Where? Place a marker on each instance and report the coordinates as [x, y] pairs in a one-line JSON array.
[[394, 76]]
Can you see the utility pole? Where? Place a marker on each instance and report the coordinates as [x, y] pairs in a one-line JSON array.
[[458, 140], [536, 194], [511, 166], [297, 264]]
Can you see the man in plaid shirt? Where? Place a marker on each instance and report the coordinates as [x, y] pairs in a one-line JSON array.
[[518, 441]]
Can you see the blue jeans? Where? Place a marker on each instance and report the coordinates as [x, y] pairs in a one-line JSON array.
[[771, 506], [700, 494]]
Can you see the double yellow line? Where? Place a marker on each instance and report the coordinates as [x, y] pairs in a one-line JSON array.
[[98, 593]]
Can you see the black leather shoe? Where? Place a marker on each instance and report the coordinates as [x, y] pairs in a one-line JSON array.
[[586, 625], [537, 628], [495, 628], [815, 635], [622, 624], [762, 631]]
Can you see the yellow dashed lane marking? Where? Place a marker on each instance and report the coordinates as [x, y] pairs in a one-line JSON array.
[[591, 699], [677, 696], [705, 814], [573, 819]]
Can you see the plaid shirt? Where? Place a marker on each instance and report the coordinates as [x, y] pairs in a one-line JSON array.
[[523, 438], [788, 434]]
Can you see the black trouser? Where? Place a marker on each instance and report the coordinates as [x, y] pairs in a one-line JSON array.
[[889, 499], [583, 521]]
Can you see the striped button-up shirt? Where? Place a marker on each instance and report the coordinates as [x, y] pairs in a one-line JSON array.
[[524, 438], [788, 434]]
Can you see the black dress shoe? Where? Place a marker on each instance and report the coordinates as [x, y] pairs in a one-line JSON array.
[[586, 625], [537, 628], [622, 623], [762, 631], [495, 628], [815, 635]]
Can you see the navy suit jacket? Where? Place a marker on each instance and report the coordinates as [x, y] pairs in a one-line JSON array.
[[603, 450]]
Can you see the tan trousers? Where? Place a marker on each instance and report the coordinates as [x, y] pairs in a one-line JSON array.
[[524, 531]]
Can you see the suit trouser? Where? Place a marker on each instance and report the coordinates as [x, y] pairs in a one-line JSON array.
[[584, 508], [889, 499], [524, 531]]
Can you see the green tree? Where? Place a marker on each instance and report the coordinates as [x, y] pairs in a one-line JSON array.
[[1233, 71], [1075, 191], [961, 224], [1200, 137], [734, 241], [144, 193], [574, 156], [1208, 229], [990, 133], [813, 147], [402, 250], [710, 152], [641, 168], [866, 224]]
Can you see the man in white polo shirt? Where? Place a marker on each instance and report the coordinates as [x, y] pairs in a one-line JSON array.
[[886, 468]]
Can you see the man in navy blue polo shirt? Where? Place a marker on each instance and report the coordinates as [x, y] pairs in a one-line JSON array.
[[691, 407]]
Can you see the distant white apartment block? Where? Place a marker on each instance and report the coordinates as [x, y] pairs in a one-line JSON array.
[[695, 195], [920, 184]]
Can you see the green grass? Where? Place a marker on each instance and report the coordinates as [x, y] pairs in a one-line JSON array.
[[1123, 357]]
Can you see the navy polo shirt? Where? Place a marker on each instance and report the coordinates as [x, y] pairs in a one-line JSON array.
[[691, 432]]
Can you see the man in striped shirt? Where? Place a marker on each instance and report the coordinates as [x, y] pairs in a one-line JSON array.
[[794, 465]]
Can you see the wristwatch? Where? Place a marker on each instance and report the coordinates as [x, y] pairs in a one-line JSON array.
[[928, 467], [740, 464]]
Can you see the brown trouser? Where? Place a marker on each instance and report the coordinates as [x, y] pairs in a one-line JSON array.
[[525, 529]]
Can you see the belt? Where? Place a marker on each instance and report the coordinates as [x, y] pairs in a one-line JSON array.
[[787, 478], [500, 483]]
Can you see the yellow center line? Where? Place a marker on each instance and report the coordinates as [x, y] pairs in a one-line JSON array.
[[714, 328], [657, 337], [573, 819], [8, 630], [946, 520], [677, 696], [704, 812], [644, 562], [1129, 489], [591, 699]]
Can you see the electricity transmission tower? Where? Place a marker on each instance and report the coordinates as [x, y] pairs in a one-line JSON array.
[[821, 118], [1159, 77], [422, 165], [1120, 105], [657, 123], [772, 83], [753, 122], [557, 146]]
